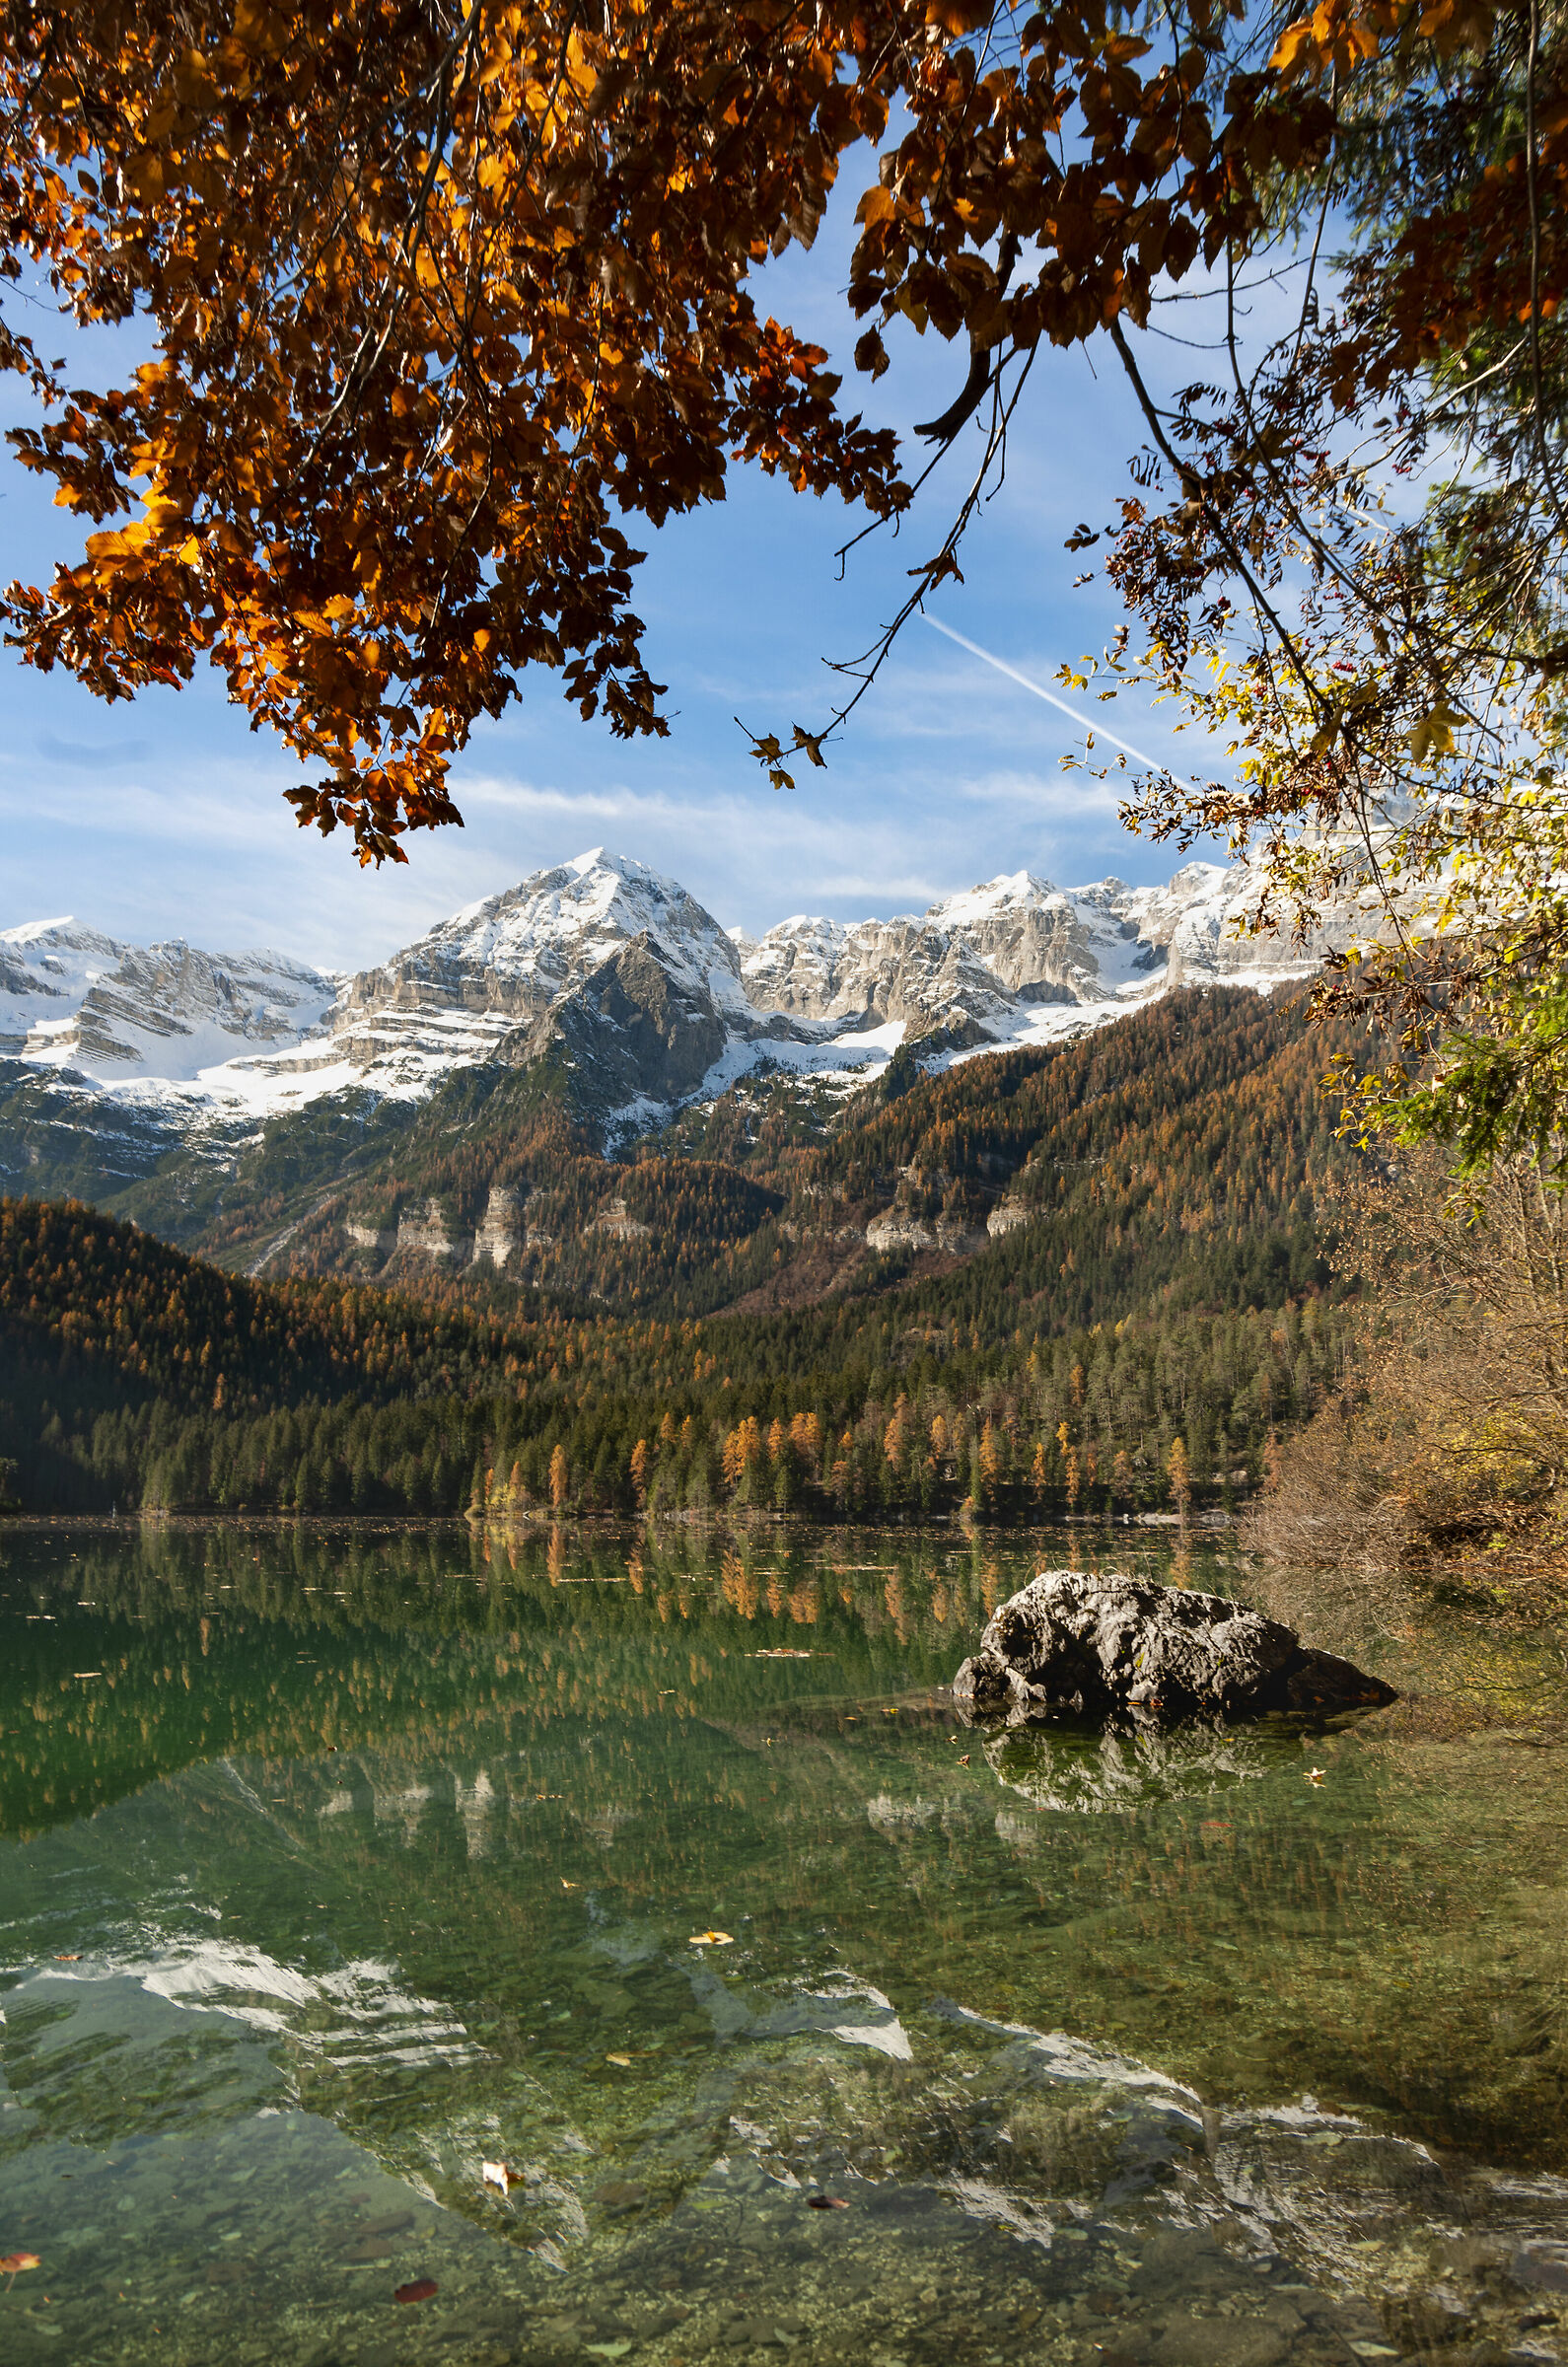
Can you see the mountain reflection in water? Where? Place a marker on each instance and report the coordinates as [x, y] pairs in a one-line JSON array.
[[342, 1863]]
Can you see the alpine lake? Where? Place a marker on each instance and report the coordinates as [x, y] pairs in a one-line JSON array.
[[793, 2020]]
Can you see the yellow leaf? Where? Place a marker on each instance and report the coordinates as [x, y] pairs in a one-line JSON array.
[[875, 206], [1294, 43], [120, 545], [1433, 735], [579, 66], [711, 1939], [160, 511]]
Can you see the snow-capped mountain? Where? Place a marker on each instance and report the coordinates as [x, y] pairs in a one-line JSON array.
[[1199, 922], [977, 957], [603, 959], [514, 954], [69, 995], [602, 966], [1020, 960], [46, 970]]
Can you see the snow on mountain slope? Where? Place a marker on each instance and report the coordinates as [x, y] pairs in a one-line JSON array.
[[1199, 921], [482, 984], [46, 969], [174, 1012], [513, 954], [973, 957], [71, 998], [618, 975]]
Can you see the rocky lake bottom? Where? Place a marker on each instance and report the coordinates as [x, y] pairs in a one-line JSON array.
[[793, 2019]]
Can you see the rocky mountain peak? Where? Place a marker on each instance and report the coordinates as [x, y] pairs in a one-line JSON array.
[[46, 967], [516, 951], [71, 996], [1013, 936], [625, 983]]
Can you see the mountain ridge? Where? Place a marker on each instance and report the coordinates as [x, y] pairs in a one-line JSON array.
[[1012, 959], [583, 1084]]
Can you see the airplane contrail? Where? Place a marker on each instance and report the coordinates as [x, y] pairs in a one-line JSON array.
[[1090, 723]]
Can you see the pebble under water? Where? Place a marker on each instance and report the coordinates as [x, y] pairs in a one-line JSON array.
[[792, 2019]]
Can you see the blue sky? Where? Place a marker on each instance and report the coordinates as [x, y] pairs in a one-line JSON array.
[[165, 816]]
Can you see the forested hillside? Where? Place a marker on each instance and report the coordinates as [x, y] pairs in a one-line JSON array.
[[1151, 1309], [138, 1377], [1182, 1144]]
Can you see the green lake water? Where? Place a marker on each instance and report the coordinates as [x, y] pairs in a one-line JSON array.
[[335, 1864]]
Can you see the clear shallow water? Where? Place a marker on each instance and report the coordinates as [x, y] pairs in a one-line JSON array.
[[333, 1865]]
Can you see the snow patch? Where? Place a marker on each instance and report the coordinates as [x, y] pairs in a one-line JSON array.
[[210, 1042]]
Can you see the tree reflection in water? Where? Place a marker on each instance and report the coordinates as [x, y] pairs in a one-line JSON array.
[[403, 1840]]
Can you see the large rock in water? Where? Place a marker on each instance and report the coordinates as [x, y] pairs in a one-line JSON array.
[[1071, 1645]]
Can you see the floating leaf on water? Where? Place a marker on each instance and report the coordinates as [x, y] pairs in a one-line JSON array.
[[567, 1886], [624, 2060], [12, 2263], [711, 1939], [1315, 1775], [495, 2173], [423, 2288], [826, 2203]]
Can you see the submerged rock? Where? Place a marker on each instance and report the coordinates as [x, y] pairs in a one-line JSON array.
[[1102, 1647]]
